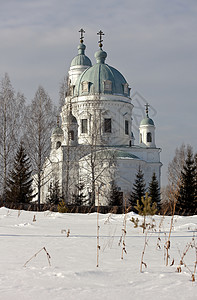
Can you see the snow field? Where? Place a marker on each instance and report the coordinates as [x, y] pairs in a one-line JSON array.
[[73, 273]]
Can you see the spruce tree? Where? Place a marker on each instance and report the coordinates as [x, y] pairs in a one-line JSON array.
[[19, 181], [54, 193], [78, 199], [138, 189], [115, 197], [154, 190], [187, 198]]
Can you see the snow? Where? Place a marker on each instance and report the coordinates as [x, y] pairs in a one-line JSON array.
[[73, 273]]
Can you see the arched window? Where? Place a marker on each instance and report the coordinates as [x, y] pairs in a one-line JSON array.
[[58, 144], [126, 127], [149, 137], [140, 138]]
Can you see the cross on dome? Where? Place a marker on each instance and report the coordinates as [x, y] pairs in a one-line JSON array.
[[147, 106], [100, 41], [82, 31]]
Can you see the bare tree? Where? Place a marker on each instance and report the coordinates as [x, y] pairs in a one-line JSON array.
[[40, 119], [63, 92], [176, 165], [11, 119]]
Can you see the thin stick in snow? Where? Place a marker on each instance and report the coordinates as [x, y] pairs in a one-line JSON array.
[[48, 256]]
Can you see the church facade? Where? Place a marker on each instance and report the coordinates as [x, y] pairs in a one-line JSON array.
[[93, 144]]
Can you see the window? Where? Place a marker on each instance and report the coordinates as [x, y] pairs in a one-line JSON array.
[[84, 126], [107, 125], [58, 144], [85, 86], [149, 137], [126, 128], [107, 85], [126, 88]]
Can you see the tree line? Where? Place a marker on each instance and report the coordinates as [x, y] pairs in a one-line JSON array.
[[24, 128], [182, 181]]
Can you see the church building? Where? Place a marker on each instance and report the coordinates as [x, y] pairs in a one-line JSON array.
[[93, 144]]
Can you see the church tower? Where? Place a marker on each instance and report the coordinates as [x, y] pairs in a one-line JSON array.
[[79, 63], [147, 131]]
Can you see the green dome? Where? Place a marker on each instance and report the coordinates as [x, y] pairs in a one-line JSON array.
[[101, 79], [57, 131], [147, 121], [81, 59]]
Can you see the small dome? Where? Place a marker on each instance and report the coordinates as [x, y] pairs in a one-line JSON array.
[[81, 59], [57, 131], [100, 56], [101, 79], [147, 121]]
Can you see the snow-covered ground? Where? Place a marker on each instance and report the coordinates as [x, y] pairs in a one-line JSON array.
[[73, 273]]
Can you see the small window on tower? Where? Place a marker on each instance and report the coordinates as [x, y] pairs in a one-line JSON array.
[[126, 88], [58, 145], [84, 126], [149, 137], [126, 127], [140, 138], [107, 85], [85, 86], [107, 125]]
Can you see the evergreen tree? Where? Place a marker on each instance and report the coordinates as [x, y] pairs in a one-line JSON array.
[[154, 190], [54, 193], [146, 208], [19, 181], [78, 198], [187, 198], [115, 197], [138, 189]]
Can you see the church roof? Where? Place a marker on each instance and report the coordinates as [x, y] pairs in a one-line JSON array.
[[101, 79], [147, 121], [81, 59], [57, 131]]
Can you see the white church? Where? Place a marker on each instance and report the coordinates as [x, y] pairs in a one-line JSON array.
[[93, 144]]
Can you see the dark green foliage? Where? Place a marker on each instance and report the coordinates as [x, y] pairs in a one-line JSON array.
[[154, 190], [138, 190], [78, 199], [115, 197], [54, 193], [187, 197], [19, 180]]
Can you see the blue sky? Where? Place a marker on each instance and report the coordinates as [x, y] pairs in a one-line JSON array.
[[153, 43]]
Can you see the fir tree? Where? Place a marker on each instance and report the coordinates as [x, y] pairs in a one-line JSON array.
[[187, 198], [115, 197], [54, 193], [154, 190], [146, 208], [19, 181], [78, 198], [138, 189]]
